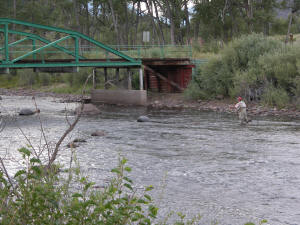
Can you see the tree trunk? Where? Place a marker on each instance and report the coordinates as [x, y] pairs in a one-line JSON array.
[[249, 11], [187, 22], [162, 37], [196, 30], [76, 14], [126, 30], [115, 21], [289, 28], [150, 12], [15, 17], [137, 22], [77, 25], [87, 21], [172, 25]]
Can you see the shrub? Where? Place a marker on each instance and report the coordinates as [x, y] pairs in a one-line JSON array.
[[222, 74], [40, 196], [45, 79], [275, 97], [247, 66], [27, 78], [69, 78], [194, 92]]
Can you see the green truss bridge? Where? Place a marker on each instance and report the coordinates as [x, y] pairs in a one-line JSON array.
[[25, 45], [52, 49]]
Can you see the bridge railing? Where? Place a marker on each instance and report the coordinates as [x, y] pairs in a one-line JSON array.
[[156, 51], [134, 51]]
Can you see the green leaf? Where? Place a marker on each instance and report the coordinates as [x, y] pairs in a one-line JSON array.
[[142, 201], [128, 186], [82, 180], [138, 208], [128, 180], [181, 215], [35, 160], [263, 221], [249, 224], [148, 197], [153, 210], [77, 195], [128, 169], [147, 221], [88, 185], [123, 161], [149, 188], [25, 151], [37, 169], [115, 170], [20, 172]]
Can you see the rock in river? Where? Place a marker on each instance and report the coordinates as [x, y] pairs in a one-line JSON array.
[[79, 140], [88, 109], [143, 119], [72, 145], [28, 112], [98, 133]]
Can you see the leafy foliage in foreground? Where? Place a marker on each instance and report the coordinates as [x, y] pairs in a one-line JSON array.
[[38, 195]]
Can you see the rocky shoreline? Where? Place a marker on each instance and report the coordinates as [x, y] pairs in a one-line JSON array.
[[173, 101], [37, 93], [254, 109]]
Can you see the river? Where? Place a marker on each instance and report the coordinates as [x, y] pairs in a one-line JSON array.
[[198, 162]]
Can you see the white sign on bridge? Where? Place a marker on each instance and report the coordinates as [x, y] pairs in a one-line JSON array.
[[146, 36]]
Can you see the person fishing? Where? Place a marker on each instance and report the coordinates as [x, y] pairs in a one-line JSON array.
[[242, 110]]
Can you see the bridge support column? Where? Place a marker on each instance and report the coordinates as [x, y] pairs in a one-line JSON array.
[[94, 78], [117, 75], [4, 70], [141, 79], [105, 78], [129, 79]]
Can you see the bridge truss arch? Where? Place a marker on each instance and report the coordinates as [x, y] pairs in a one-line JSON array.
[[59, 49]]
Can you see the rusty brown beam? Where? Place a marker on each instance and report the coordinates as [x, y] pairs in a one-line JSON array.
[[163, 78]]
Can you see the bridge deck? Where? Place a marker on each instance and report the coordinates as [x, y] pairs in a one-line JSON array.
[[111, 63]]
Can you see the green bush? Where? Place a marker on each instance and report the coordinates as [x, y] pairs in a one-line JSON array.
[[80, 78], [194, 92], [228, 73], [27, 78], [69, 78], [45, 79], [275, 97], [39, 195], [247, 67]]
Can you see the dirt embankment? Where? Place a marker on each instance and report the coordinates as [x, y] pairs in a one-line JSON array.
[[174, 101]]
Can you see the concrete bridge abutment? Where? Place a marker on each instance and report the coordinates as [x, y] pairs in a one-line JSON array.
[[119, 97]]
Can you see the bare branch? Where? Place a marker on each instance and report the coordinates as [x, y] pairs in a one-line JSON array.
[[71, 127], [8, 177], [41, 124]]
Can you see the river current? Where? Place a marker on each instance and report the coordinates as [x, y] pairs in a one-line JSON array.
[[199, 162]]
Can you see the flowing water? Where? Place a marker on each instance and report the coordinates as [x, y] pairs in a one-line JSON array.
[[198, 162]]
